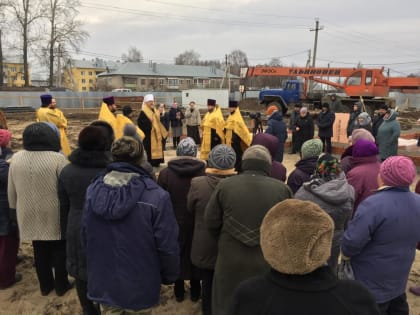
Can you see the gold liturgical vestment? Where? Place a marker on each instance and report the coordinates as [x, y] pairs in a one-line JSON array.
[[213, 120]]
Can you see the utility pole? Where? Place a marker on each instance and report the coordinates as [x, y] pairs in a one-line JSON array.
[[308, 62], [226, 72], [59, 66], [316, 29]]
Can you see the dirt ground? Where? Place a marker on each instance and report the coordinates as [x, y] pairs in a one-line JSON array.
[[25, 298]]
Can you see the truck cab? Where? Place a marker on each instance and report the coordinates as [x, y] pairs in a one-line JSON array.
[[291, 94]]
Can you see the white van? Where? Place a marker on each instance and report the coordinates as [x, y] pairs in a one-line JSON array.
[[122, 90]]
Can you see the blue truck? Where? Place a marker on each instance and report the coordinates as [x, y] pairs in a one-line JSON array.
[[293, 93]]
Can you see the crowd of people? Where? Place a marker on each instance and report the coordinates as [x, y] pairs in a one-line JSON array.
[[221, 222]]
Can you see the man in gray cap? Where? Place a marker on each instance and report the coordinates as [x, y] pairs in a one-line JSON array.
[[234, 214]]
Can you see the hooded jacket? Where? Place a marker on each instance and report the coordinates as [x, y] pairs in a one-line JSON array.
[[336, 197], [130, 236], [302, 173], [387, 137], [176, 180], [234, 214], [277, 128]]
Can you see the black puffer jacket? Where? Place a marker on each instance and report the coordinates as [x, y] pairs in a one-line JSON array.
[[72, 184]]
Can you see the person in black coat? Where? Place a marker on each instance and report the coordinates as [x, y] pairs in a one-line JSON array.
[[277, 127], [87, 161], [299, 281], [379, 119], [357, 110], [325, 124], [175, 117], [164, 119], [304, 128]]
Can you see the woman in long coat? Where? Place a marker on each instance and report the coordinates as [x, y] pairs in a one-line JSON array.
[[176, 179], [90, 158]]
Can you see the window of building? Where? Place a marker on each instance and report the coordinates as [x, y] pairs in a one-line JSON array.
[[173, 82], [83, 81], [90, 81], [13, 69], [90, 72], [82, 73], [143, 82], [83, 88], [161, 82]]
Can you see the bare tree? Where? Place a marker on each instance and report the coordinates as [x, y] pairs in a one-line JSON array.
[[134, 55], [238, 59], [26, 12], [275, 62], [189, 57], [64, 30]]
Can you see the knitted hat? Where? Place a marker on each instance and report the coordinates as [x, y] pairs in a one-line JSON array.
[[211, 102], [311, 148], [186, 147], [271, 110], [303, 110], [364, 148], [397, 171], [93, 138], [108, 131], [361, 133], [108, 100], [53, 127], [40, 137], [296, 237], [127, 110], [256, 158], [327, 166], [46, 99], [127, 149], [5, 136], [222, 157], [326, 105]]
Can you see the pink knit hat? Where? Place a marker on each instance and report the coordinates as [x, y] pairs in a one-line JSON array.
[[397, 171]]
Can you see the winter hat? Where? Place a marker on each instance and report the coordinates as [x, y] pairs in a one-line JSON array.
[[256, 158], [53, 127], [311, 148], [364, 148], [366, 119], [93, 138], [130, 131], [271, 110], [186, 147], [361, 133], [108, 131], [211, 102], [40, 137], [296, 237], [46, 100], [269, 141], [233, 104], [397, 171], [5, 136], [127, 149], [222, 157], [327, 167], [109, 100], [303, 110]]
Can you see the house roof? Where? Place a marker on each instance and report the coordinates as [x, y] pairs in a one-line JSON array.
[[94, 64], [166, 70]]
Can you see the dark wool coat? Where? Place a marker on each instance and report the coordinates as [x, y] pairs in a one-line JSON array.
[[7, 224], [172, 117], [176, 179], [302, 173], [352, 121], [325, 124], [317, 293], [346, 159], [234, 214], [306, 130], [164, 119], [387, 137], [72, 184], [363, 177], [277, 127], [377, 121], [204, 244]]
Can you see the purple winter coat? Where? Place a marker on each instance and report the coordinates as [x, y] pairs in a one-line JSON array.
[[302, 173], [363, 177], [278, 171]]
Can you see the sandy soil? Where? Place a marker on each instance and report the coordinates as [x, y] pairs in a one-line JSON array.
[[25, 298]]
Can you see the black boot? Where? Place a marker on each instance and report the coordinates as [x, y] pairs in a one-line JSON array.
[[179, 290]]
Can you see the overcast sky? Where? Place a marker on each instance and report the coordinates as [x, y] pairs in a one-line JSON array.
[[374, 32]]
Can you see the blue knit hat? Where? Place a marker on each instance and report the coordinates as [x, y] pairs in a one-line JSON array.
[[186, 147], [222, 157]]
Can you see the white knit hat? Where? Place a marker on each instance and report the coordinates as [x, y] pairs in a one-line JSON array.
[[148, 98]]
